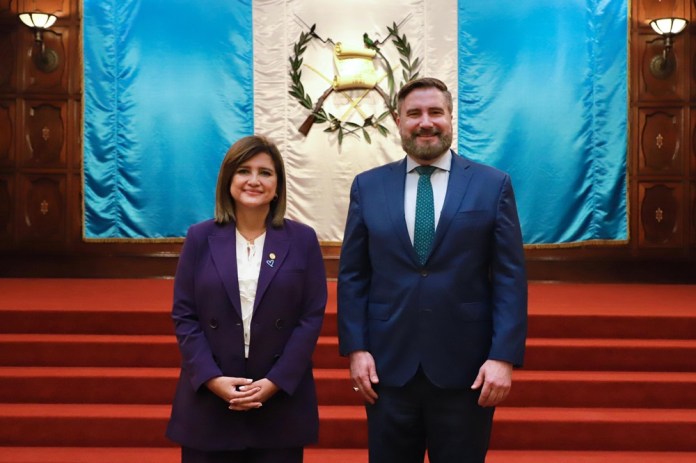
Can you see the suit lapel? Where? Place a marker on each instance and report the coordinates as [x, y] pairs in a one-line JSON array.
[[223, 248], [394, 191], [275, 250], [459, 178]]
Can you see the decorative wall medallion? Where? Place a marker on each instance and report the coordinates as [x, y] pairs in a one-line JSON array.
[[44, 207], [658, 215], [658, 141]]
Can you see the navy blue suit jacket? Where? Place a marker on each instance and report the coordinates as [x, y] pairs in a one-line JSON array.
[[468, 303], [287, 318]]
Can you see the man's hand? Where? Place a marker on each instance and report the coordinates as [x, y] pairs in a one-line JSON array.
[[363, 373], [496, 378]]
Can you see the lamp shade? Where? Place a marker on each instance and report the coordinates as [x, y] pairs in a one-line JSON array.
[[668, 26], [38, 20]]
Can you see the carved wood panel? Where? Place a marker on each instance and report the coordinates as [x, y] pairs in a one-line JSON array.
[[692, 212], [7, 201], [7, 133], [8, 57], [653, 9], [45, 134], [75, 207], [57, 7], [660, 214], [654, 88], [660, 141], [34, 79], [43, 208]]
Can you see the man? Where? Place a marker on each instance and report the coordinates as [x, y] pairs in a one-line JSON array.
[[432, 291]]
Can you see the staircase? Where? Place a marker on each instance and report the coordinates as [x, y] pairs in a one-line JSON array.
[[88, 369]]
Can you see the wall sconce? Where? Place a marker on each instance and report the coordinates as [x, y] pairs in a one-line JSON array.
[[661, 66], [47, 60]]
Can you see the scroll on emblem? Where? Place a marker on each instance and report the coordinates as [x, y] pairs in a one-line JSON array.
[[355, 68]]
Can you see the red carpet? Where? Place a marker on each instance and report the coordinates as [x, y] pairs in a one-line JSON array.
[[88, 367]]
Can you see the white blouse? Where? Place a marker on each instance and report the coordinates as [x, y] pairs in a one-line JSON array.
[[249, 254]]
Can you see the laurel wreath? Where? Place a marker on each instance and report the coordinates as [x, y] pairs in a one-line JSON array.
[[342, 128]]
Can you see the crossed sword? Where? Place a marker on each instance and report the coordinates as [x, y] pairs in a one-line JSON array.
[[309, 122]]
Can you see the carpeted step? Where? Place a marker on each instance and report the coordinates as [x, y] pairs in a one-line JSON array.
[[625, 326], [135, 320], [88, 350], [597, 428], [314, 455], [158, 322], [611, 354], [577, 354], [141, 306], [78, 425], [161, 351], [530, 388], [70, 321]]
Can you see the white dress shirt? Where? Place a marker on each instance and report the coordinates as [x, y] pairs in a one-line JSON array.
[[249, 254], [438, 180]]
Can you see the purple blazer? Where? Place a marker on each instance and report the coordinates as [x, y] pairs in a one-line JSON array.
[[287, 319]]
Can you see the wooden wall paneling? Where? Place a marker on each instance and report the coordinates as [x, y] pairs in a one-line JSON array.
[[692, 213], [45, 134], [74, 144], [59, 8], [43, 205], [660, 148], [7, 202], [8, 57], [8, 133], [660, 214], [671, 87], [34, 79], [691, 158], [75, 208], [647, 10]]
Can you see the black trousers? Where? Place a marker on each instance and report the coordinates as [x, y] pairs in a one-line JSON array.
[[290, 455], [407, 420]]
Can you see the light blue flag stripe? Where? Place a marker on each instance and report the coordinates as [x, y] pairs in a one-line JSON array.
[[543, 96], [162, 105]]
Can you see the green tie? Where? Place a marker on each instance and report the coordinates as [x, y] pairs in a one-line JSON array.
[[424, 228]]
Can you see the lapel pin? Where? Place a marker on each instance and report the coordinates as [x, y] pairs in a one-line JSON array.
[[271, 261]]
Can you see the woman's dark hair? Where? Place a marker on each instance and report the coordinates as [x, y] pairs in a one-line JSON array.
[[239, 153]]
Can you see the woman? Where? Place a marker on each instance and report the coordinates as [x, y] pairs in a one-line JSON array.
[[249, 299]]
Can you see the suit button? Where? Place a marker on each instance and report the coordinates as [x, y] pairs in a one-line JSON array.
[[424, 273], [280, 323], [213, 323]]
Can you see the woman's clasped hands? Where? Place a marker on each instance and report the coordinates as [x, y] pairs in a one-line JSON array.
[[242, 394]]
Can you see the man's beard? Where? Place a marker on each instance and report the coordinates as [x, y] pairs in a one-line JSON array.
[[429, 151]]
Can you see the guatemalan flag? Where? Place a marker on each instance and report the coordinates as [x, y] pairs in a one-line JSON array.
[[540, 91]]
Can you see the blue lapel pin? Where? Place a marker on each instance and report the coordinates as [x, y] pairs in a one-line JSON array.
[[271, 261]]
